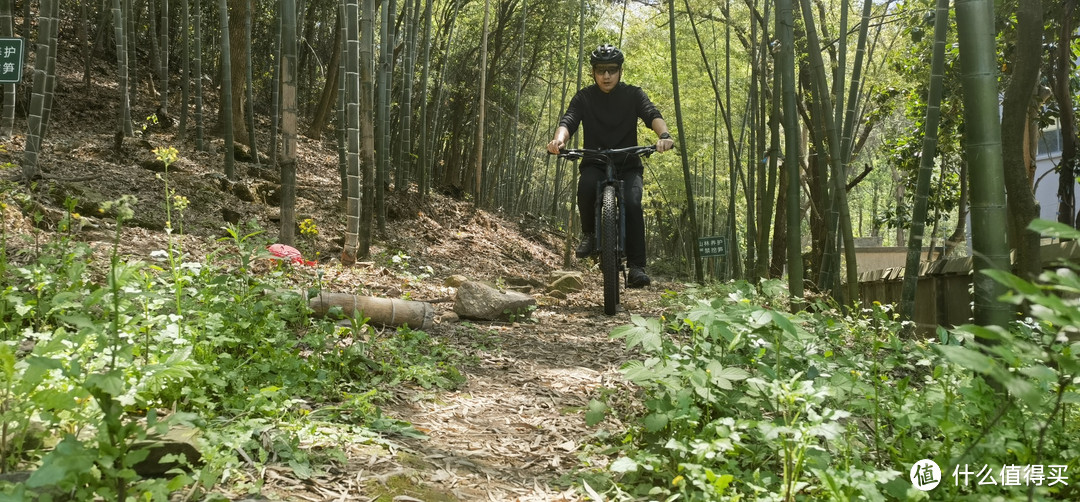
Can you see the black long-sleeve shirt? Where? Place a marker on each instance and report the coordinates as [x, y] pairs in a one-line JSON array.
[[610, 118]]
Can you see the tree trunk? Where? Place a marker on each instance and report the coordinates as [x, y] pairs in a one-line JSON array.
[[329, 94], [382, 149], [423, 172], [978, 67], [7, 29], [352, 132], [35, 119], [275, 95], [751, 121], [200, 139], [699, 274], [53, 29], [1061, 84], [835, 228], [786, 30], [734, 162], [163, 47], [478, 195], [253, 149], [926, 162], [959, 236], [340, 112], [779, 240], [185, 71], [227, 89], [122, 62], [288, 122], [131, 39], [84, 38], [560, 163], [238, 10], [408, 73], [768, 268], [1018, 100], [367, 125]]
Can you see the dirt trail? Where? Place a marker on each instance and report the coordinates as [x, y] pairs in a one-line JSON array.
[[518, 425], [514, 431]]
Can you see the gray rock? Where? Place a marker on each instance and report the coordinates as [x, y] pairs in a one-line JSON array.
[[455, 280], [475, 300], [178, 441], [568, 282], [556, 294]]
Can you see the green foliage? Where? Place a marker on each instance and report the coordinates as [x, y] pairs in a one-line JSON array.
[[745, 402], [92, 355]]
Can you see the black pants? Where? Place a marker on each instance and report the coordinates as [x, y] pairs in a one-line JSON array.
[[633, 186]]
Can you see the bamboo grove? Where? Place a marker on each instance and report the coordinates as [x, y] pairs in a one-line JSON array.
[[803, 124]]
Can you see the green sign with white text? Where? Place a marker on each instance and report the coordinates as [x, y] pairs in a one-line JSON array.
[[712, 246], [11, 60]]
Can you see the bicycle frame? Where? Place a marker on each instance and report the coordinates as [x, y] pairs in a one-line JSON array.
[[612, 258]]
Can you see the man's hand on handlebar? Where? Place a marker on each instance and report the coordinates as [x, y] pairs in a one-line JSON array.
[[665, 144], [555, 146]]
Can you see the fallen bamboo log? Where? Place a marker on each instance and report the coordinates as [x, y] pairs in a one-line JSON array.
[[382, 311]]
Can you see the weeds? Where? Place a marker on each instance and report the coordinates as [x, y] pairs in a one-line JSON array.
[[93, 363], [745, 402]]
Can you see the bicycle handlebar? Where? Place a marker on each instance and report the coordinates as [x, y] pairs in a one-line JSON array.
[[580, 153]]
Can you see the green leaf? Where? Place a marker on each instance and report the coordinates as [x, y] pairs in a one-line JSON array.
[[624, 464], [596, 412], [592, 493], [1054, 229], [1070, 397], [637, 372], [642, 332], [781, 320], [655, 422], [721, 483], [759, 318], [1013, 282], [81, 321], [1024, 390], [967, 358], [722, 377], [301, 469], [23, 308], [7, 362], [732, 373], [1040, 372], [699, 379], [68, 459], [110, 382]]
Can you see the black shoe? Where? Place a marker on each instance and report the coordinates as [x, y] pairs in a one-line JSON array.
[[587, 246], [638, 278]]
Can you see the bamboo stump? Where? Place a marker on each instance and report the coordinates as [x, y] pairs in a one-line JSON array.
[[382, 311]]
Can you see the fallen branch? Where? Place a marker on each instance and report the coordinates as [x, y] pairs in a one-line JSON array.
[[382, 311]]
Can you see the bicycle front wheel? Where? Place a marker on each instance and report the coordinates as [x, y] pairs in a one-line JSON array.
[[609, 248]]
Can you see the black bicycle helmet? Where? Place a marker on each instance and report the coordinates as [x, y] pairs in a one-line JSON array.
[[606, 54]]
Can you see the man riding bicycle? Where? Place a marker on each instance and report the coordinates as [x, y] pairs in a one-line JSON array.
[[609, 109]]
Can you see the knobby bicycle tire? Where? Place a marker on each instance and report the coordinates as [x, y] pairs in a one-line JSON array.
[[609, 249]]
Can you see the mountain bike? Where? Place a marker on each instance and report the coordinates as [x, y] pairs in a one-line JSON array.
[[610, 216]]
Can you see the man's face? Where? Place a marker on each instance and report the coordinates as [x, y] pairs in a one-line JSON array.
[[607, 75]]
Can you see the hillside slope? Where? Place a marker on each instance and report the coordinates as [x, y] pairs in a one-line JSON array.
[[514, 428]]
